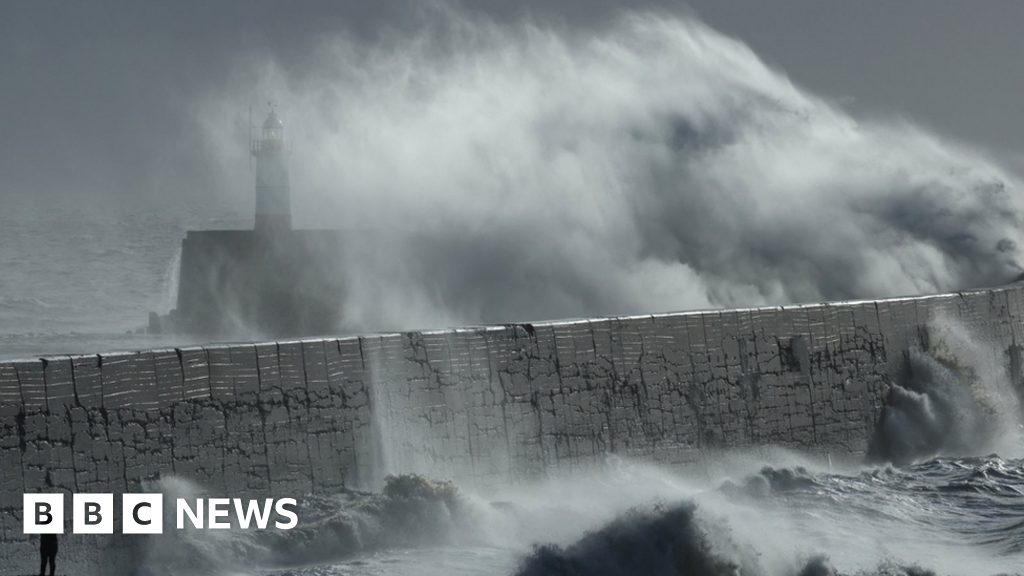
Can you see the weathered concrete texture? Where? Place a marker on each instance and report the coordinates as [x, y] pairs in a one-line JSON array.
[[482, 404]]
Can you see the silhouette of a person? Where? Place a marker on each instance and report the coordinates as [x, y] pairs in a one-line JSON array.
[[47, 553]]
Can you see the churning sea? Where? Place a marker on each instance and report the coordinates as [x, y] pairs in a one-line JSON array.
[[940, 516]]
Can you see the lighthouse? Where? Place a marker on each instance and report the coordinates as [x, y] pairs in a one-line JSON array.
[[274, 280], [273, 193]]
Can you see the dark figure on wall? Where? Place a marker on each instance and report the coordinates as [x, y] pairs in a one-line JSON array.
[[47, 553]]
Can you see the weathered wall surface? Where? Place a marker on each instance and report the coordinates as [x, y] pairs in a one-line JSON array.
[[489, 403]]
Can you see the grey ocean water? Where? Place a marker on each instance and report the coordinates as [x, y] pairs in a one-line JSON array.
[[76, 277]]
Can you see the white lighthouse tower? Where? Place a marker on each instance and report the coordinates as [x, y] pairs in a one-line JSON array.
[[273, 193]]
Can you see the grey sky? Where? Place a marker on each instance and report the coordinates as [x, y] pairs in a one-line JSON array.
[[96, 95]]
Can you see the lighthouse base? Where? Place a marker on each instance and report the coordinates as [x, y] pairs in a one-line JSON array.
[[249, 283]]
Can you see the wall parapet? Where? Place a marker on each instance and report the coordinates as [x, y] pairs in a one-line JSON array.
[[161, 377]]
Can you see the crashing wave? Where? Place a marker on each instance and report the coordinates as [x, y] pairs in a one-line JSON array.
[[410, 511]]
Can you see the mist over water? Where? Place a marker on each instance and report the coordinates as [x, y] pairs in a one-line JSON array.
[[522, 172]]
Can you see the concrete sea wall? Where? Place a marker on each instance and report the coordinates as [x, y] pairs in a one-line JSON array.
[[482, 404]]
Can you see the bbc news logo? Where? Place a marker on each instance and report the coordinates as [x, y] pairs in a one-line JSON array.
[[143, 513]]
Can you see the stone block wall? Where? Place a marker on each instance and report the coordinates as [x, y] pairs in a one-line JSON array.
[[482, 405]]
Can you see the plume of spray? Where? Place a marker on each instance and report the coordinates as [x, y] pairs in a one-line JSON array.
[[957, 399], [172, 275], [409, 511], [496, 172], [192, 551]]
